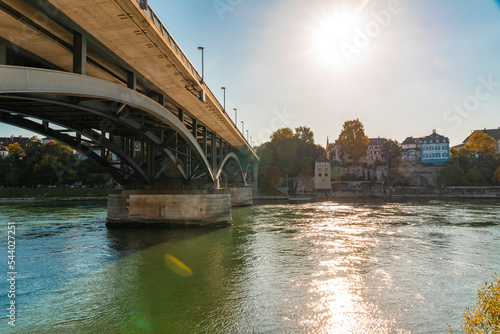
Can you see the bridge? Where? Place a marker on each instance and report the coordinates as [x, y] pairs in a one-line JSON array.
[[106, 78]]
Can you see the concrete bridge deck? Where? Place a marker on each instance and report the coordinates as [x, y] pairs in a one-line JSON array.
[[135, 38]]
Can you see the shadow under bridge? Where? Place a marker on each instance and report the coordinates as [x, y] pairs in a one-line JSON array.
[[140, 142]]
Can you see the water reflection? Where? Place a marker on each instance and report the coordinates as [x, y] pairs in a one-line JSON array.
[[311, 268]]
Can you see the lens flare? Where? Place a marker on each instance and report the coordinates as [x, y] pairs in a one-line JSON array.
[[177, 266]]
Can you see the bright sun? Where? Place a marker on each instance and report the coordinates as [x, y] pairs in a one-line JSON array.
[[329, 35]]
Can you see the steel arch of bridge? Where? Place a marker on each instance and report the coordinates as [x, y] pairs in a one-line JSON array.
[[21, 88]]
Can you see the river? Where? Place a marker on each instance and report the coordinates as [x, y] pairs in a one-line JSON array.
[[326, 267]]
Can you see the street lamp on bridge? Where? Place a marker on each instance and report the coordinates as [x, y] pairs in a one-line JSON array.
[[202, 64], [224, 89], [243, 129], [247, 135], [235, 116]]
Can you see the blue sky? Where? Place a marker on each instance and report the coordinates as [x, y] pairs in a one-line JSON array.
[[402, 67]]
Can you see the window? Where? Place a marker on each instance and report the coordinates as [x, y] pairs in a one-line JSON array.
[[326, 174], [318, 174], [438, 155]]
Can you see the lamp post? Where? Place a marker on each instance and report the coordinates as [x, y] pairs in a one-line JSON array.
[[224, 89], [251, 142], [202, 64], [242, 127], [235, 116], [247, 135]]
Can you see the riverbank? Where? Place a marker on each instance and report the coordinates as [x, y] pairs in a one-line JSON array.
[[31, 195], [376, 189]]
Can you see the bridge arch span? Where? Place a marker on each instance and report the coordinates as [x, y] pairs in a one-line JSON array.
[[234, 173], [93, 96]]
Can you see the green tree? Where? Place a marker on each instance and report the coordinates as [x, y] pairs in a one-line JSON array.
[[304, 134], [474, 175], [287, 151], [45, 170], [496, 175], [269, 175], [281, 134], [452, 175], [482, 143], [391, 151], [353, 140]]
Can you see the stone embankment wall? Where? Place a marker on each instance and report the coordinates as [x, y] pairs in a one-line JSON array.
[[447, 192], [357, 189]]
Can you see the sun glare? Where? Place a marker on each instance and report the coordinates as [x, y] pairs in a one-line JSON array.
[[330, 34]]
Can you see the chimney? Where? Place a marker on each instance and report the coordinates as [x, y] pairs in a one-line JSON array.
[[433, 130]]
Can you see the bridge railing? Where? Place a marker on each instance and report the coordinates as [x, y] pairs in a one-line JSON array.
[[157, 22]]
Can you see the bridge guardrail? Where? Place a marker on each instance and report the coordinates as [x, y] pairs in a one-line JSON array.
[[163, 30]]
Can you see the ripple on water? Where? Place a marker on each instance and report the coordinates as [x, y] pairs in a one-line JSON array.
[[360, 267]]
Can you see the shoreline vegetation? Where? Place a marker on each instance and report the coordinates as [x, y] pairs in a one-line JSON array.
[[33, 195]]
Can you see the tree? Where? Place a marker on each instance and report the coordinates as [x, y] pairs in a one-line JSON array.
[[269, 175], [353, 140], [452, 175], [484, 316], [482, 143], [15, 151], [304, 134], [474, 175], [293, 153], [496, 175], [280, 134], [391, 151]]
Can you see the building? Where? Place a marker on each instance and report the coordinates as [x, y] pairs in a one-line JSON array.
[[334, 153], [495, 133], [3, 151], [435, 149], [6, 141], [322, 174], [411, 149], [374, 151]]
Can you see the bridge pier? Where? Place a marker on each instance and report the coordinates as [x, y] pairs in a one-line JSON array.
[[203, 208], [242, 196]]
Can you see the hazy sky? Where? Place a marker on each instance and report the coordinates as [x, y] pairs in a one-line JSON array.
[[402, 67]]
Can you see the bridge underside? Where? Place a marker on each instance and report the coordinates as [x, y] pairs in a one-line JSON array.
[[140, 142], [108, 80]]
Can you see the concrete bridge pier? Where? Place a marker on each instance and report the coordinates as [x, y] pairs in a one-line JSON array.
[[241, 196], [202, 208]]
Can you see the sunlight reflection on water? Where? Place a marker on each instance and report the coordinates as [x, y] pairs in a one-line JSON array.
[[310, 268]]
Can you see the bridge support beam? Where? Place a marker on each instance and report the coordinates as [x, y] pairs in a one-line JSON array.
[[183, 208], [79, 54], [3, 54], [242, 196]]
